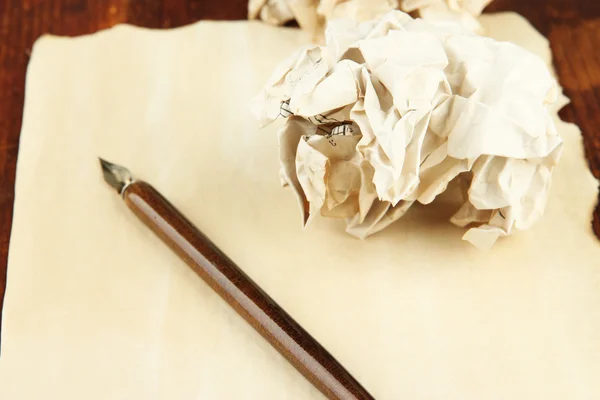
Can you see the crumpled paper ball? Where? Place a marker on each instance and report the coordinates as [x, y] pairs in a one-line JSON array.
[[312, 15], [389, 112], [463, 12]]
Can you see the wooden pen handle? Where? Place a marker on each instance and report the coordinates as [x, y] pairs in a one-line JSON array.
[[243, 294]]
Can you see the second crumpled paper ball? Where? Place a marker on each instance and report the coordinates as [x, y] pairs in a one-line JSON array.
[[389, 112], [312, 15]]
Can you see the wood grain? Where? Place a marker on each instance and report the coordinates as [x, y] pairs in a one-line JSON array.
[[573, 27]]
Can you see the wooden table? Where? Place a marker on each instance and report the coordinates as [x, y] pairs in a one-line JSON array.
[[573, 27]]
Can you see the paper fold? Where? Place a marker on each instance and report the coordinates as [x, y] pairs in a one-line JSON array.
[[389, 112]]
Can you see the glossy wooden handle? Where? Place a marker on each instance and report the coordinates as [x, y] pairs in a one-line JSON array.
[[243, 294]]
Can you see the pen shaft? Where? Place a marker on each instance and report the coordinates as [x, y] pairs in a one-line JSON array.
[[243, 294]]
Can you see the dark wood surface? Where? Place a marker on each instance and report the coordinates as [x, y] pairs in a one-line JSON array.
[[573, 27]]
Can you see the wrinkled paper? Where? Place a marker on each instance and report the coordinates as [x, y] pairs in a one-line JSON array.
[[462, 12], [313, 15], [389, 112]]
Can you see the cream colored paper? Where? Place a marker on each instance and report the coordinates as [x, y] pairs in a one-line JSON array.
[[97, 308], [390, 111], [313, 15]]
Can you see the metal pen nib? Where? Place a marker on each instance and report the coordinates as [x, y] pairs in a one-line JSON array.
[[115, 175]]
